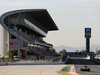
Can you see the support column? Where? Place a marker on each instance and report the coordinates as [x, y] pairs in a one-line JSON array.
[[19, 49], [26, 54], [87, 45]]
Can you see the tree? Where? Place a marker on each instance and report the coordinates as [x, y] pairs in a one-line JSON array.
[[10, 54], [76, 51], [52, 50], [83, 51], [97, 52], [62, 52]]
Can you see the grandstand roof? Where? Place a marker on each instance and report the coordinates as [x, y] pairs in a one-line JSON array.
[[40, 15], [43, 17]]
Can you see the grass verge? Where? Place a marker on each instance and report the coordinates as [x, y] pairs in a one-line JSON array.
[[64, 73]]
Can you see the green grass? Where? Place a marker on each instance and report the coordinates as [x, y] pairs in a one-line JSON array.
[[65, 71]]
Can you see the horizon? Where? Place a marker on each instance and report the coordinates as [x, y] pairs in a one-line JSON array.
[[76, 47], [73, 49]]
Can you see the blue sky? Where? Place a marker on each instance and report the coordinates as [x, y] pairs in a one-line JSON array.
[[71, 17]]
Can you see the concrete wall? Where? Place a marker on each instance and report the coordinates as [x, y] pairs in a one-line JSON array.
[[4, 42]]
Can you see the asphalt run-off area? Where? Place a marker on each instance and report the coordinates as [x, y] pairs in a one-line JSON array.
[[49, 68], [31, 68]]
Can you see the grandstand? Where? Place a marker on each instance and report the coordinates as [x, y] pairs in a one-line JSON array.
[[26, 29]]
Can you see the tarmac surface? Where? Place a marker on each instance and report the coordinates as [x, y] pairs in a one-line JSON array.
[[33, 69], [79, 63]]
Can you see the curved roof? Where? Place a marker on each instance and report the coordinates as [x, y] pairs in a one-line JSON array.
[[40, 15]]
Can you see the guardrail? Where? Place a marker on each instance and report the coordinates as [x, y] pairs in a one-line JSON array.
[[97, 61]]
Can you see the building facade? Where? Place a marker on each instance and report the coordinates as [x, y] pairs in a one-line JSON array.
[[23, 31]]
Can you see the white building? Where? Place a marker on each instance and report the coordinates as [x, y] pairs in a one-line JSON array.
[[4, 42]]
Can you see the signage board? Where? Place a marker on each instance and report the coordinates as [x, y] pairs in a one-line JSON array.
[[87, 32], [14, 43]]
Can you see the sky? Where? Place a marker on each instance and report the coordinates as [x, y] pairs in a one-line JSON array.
[[71, 17]]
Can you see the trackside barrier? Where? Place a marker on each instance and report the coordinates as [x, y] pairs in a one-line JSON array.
[[97, 61], [40, 59], [6, 63]]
